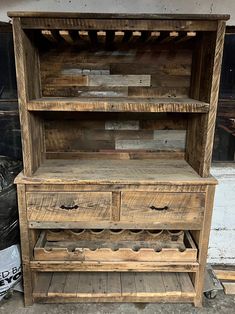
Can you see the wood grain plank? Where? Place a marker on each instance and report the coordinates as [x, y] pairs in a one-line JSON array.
[[185, 284], [100, 80], [71, 284], [154, 284], [114, 284], [90, 266], [190, 188], [57, 284], [120, 105], [224, 272], [119, 80], [99, 284], [171, 284], [163, 140], [150, 16], [89, 91], [122, 125], [178, 65], [159, 91], [140, 284], [229, 287], [128, 284], [170, 155], [85, 284], [42, 285], [123, 24]]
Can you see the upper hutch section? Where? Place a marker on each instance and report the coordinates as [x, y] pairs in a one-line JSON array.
[[116, 62], [144, 88]]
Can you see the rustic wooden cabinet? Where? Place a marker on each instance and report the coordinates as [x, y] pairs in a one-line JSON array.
[[117, 115]]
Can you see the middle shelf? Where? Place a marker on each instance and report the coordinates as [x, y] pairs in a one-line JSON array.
[[122, 146], [121, 104]]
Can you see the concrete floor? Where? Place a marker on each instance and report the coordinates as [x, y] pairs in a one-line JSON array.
[[221, 304]]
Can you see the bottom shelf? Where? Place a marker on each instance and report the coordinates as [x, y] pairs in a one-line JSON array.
[[61, 287]]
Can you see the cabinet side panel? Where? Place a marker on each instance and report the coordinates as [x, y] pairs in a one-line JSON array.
[[28, 84], [205, 86], [209, 119]]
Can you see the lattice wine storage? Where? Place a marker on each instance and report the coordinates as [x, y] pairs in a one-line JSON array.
[[116, 245]]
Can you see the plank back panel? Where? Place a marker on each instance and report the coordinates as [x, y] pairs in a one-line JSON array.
[[116, 133], [130, 69]]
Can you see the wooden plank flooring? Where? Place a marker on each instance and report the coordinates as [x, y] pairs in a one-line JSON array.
[[229, 287], [105, 286], [224, 272], [106, 171]]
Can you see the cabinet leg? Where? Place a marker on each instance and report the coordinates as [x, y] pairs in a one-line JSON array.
[[27, 284], [198, 302]]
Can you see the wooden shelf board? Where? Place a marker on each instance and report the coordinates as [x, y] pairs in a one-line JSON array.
[[105, 171], [118, 287], [100, 266], [89, 21], [118, 105], [171, 225], [119, 15]]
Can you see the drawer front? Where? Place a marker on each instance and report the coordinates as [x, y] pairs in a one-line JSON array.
[[162, 208], [66, 206]]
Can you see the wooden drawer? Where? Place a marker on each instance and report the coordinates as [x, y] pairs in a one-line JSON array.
[[124, 245], [162, 208], [67, 206]]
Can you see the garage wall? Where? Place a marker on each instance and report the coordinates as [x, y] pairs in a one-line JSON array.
[[222, 239], [221, 247]]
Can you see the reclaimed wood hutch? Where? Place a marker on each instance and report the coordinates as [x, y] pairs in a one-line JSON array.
[[117, 114]]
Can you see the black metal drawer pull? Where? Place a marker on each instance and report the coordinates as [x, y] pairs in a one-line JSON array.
[[69, 207], [159, 208]]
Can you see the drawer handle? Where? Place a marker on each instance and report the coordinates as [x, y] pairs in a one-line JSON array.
[[69, 207], [159, 208]]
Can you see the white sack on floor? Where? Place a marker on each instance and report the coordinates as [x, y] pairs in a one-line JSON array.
[[10, 269]]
